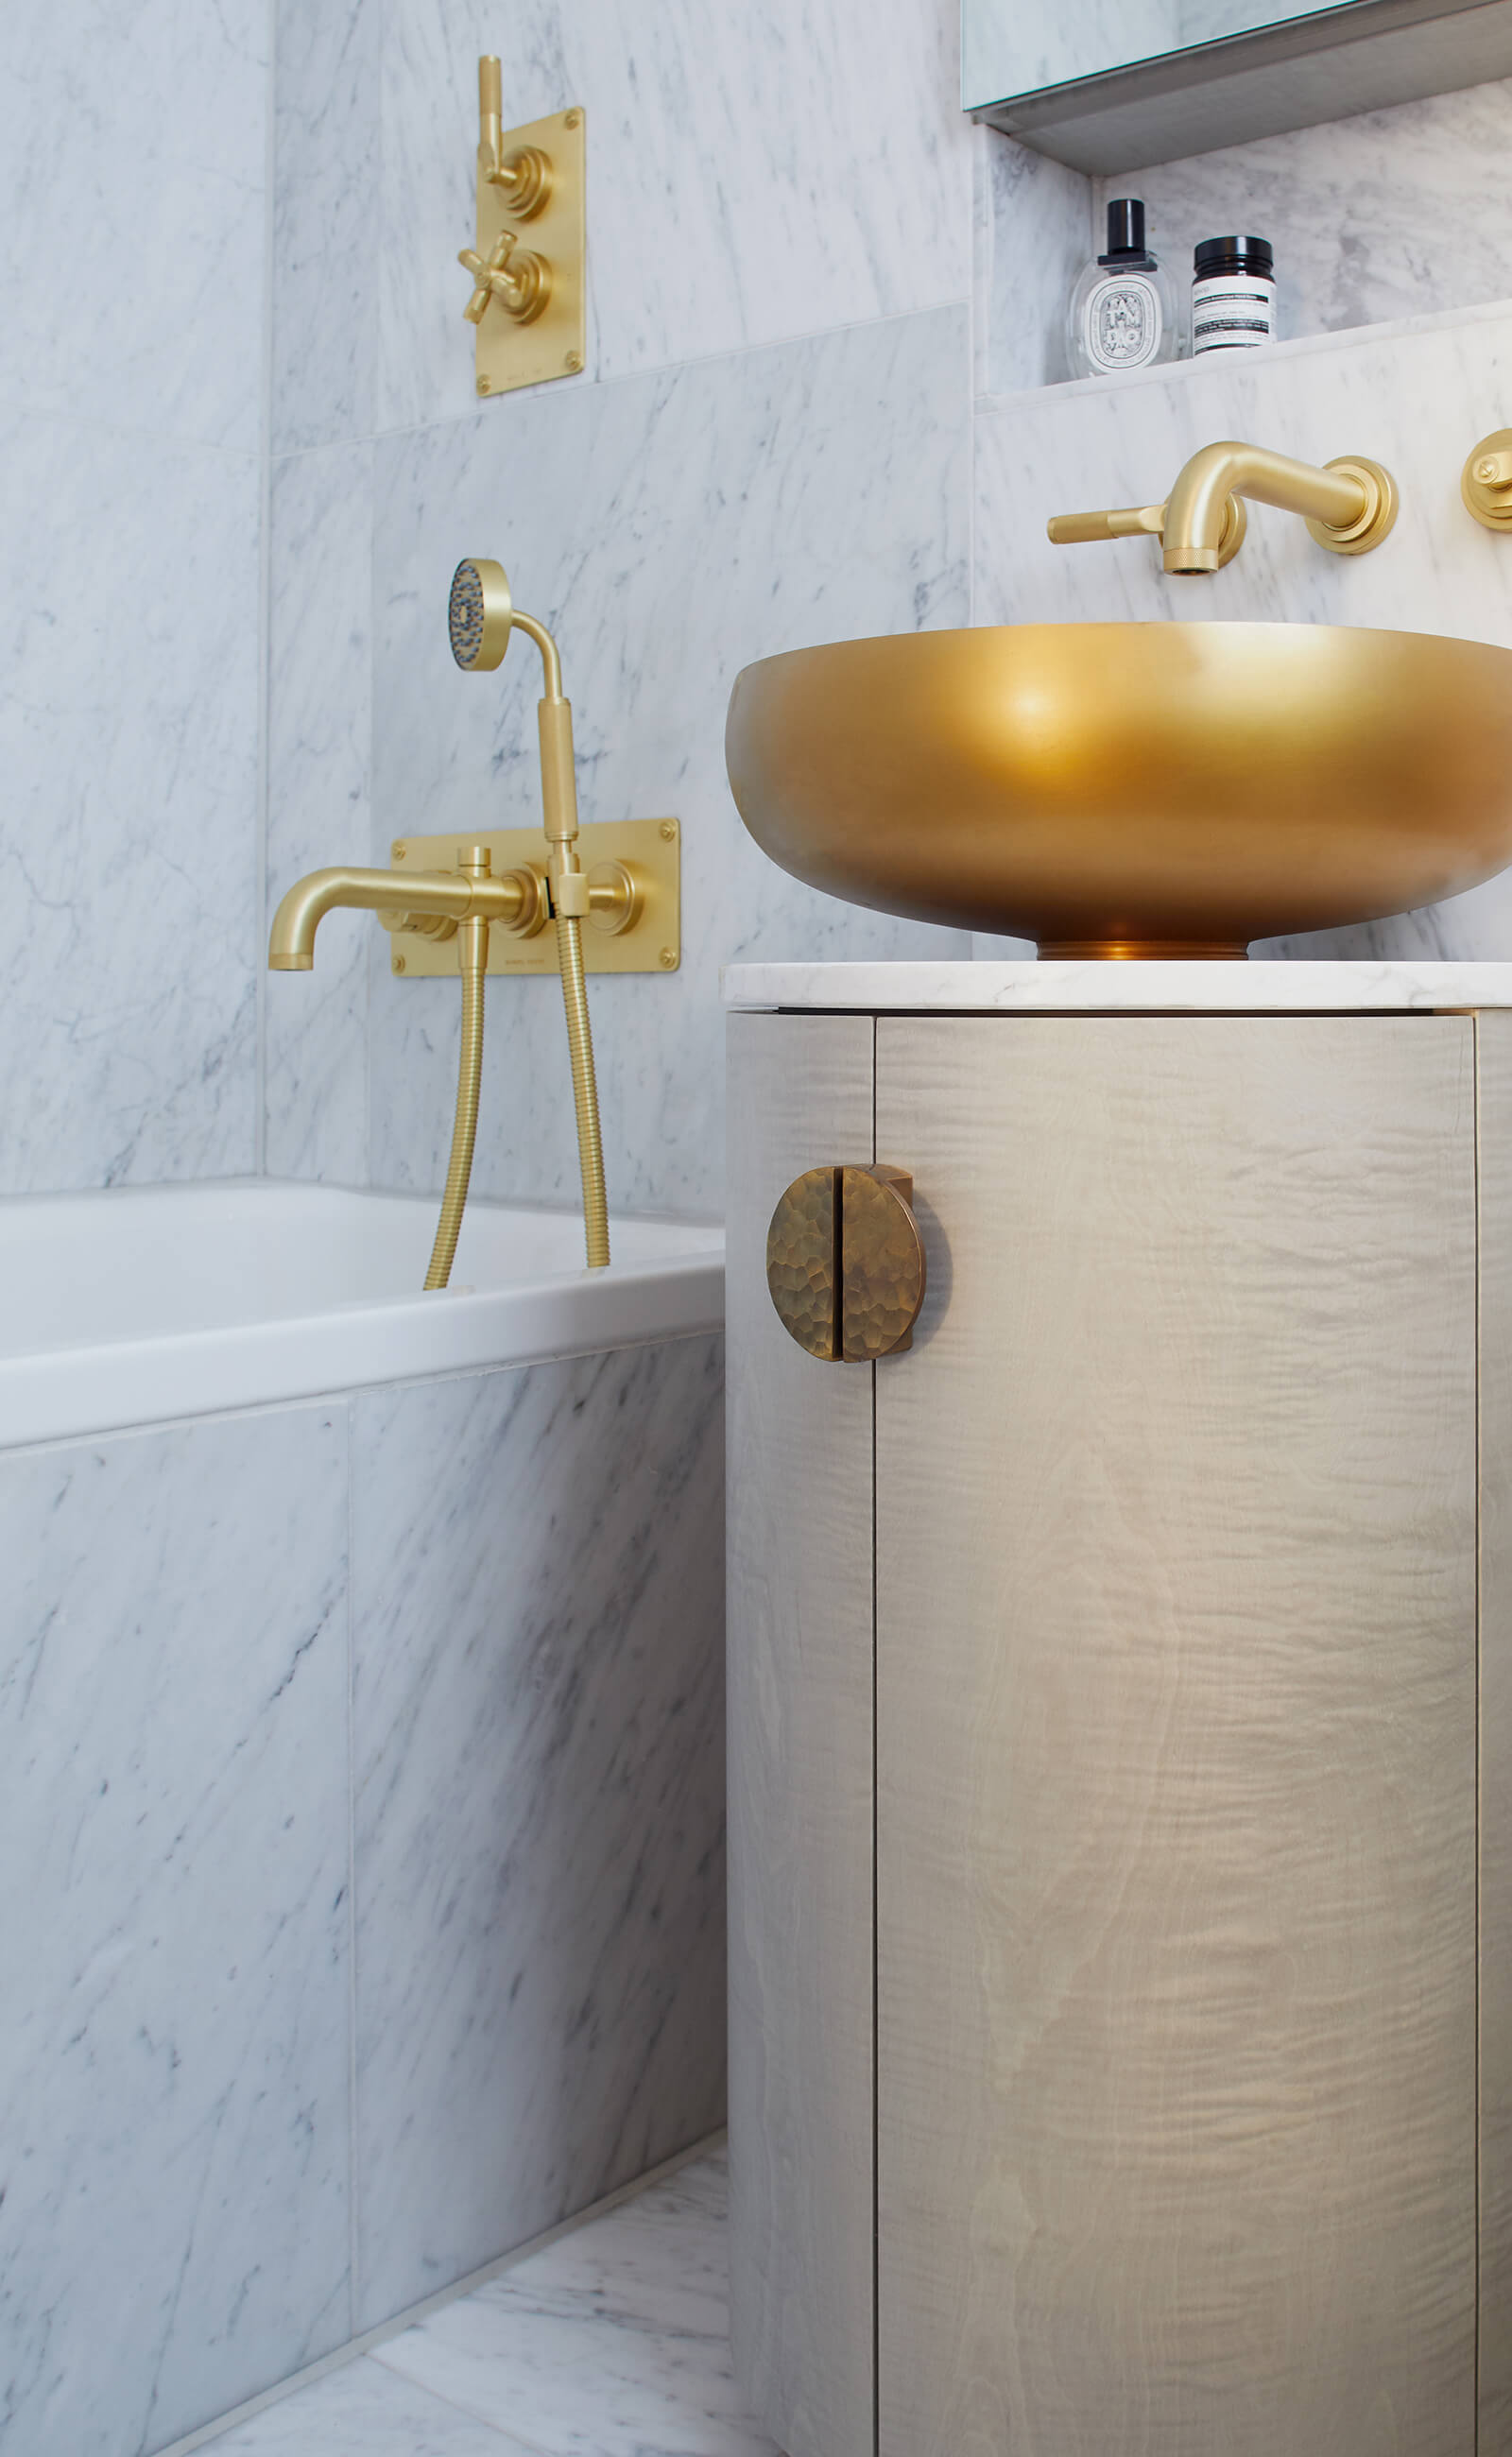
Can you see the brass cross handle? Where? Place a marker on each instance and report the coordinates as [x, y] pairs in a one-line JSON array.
[[520, 280], [845, 1263]]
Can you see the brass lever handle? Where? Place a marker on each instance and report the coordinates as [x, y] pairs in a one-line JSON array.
[[524, 178], [845, 1262], [1140, 520]]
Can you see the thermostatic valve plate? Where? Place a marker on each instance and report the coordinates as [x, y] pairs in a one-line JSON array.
[[647, 852]]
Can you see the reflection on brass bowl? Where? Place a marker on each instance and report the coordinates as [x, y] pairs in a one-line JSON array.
[[1132, 789]]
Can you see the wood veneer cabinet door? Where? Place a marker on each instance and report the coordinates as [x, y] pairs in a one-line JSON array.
[[1176, 1742], [800, 1676]]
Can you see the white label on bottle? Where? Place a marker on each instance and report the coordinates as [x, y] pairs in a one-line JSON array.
[[1121, 323], [1231, 311]]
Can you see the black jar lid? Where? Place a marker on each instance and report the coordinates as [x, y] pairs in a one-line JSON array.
[[1233, 255], [1126, 233]]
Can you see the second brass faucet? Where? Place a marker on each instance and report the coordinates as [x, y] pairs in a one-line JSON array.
[[1349, 505]]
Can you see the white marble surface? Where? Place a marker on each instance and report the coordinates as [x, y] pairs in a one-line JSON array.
[[1416, 399], [1030, 988], [173, 2064], [752, 176], [319, 805], [611, 2343], [327, 182], [131, 201], [128, 721], [669, 528], [1396, 212], [1035, 233], [539, 1683]]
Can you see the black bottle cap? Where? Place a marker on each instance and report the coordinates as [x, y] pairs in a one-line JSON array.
[[1126, 228], [1233, 255]]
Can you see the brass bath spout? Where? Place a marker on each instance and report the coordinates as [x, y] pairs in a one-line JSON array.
[[1349, 505], [439, 897]]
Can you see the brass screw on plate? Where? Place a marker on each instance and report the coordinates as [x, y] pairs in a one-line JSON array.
[[668, 959], [574, 362], [484, 384], [398, 852], [668, 830], [399, 963], [574, 120]]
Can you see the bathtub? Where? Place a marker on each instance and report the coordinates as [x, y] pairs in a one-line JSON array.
[[127, 1307], [361, 1828]]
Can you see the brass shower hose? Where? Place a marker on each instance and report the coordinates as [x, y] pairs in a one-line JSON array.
[[472, 957]]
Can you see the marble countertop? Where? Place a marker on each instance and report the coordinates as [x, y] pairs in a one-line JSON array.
[[1031, 988]]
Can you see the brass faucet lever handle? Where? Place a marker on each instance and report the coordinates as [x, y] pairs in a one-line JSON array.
[[1485, 482], [1143, 519], [1086, 528]]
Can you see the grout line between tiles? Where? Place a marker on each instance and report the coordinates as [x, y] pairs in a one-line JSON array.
[[369, 2340], [260, 891], [354, 2168]]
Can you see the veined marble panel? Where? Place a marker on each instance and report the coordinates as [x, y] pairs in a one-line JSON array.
[[1396, 213], [671, 528], [135, 142], [319, 749], [613, 2341], [173, 2064], [1034, 237], [129, 722], [1415, 400], [753, 175], [538, 1614], [327, 181]]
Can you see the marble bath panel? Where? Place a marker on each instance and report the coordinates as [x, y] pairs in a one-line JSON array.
[[538, 1619], [327, 182], [365, 2410], [1415, 400], [320, 753], [129, 724], [1396, 213], [753, 175], [174, 2065], [671, 528], [136, 138]]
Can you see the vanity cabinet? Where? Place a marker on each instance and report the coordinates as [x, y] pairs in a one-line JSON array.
[[1120, 1820]]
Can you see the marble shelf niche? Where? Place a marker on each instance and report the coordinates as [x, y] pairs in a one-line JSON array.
[[1120, 1721]]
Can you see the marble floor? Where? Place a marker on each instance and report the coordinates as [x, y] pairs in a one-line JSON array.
[[610, 2343]]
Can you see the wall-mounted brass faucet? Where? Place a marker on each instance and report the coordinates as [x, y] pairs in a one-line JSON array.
[[1349, 507], [480, 618]]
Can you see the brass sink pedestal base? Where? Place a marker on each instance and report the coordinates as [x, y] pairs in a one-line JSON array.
[[1146, 950]]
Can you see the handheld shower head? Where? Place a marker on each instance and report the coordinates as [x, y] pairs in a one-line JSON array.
[[480, 615]]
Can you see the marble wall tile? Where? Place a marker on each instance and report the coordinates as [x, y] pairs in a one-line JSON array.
[[753, 175], [135, 143], [1416, 401], [669, 528], [1034, 238], [1396, 212], [129, 723], [319, 754], [173, 2068], [538, 1626], [326, 185]]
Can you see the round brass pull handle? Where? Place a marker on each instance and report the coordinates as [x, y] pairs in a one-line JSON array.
[[845, 1262]]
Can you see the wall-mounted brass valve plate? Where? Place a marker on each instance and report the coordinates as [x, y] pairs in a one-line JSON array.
[[541, 334], [634, 876]]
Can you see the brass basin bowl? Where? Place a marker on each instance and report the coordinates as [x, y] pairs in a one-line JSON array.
[[1132, 789]]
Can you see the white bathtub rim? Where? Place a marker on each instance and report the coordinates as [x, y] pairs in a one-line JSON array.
[[115, 1386]]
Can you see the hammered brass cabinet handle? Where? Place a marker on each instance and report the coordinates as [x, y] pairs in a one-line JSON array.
[[845, 1262]]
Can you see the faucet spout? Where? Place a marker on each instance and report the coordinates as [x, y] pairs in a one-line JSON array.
[[442, 895], [1349, 505]]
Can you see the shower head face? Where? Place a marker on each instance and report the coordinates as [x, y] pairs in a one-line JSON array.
[[479, 615]]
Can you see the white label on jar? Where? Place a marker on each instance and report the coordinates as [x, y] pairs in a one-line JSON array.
[[1231, 311], [1121, 323]]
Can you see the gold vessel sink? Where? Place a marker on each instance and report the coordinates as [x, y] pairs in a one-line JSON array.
[[1132, 789]]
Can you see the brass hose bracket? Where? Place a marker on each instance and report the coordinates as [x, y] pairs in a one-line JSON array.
[[1485, 482], [472, 961]]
